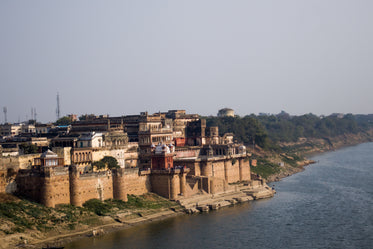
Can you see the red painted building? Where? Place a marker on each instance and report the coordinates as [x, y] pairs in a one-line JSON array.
[[163, 157]]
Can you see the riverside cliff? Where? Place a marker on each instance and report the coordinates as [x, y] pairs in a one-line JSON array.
[[273, 165]]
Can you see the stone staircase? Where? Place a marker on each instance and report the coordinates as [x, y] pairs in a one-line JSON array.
[[205, 202]]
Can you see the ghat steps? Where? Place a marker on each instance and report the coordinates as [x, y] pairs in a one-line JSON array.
[[239, 194]]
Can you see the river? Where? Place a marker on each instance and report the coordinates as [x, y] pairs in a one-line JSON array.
[[329, 205]]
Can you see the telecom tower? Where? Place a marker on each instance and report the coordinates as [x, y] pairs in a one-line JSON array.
[[58, 106], [5, 111], [33, 113]]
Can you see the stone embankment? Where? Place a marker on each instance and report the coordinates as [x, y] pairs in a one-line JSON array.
[[241, 193]]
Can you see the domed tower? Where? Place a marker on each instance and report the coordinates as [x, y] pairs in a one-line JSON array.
[[226, 112]]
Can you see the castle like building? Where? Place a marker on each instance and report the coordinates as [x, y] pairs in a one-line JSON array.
[[172, 154]]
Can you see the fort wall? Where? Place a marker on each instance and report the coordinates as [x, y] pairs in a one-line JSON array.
[[55, 186], [83, 187], [29, 184], [169, 184], [192, 185], [137, 183], [245, 170], [233, 171], [217, 185], [226, 168], [67, 185]]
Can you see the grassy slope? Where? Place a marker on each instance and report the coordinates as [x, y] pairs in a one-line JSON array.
[[23, 219]]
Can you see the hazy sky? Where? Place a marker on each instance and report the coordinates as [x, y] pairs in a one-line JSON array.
[[124, 57]]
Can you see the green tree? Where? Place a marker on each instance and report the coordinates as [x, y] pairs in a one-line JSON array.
[[108, 162], [29, 148], [63, 121]]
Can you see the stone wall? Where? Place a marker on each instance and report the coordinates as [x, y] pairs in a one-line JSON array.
[[29, 184], [52, 186], [233, 171], [193, 185], [168, 184], [136, 183], [217, 185], [55, 187], [83, 187], [49, 187], [217, 169], [64, 152], [25, 161], [245, 169], [18, 162]]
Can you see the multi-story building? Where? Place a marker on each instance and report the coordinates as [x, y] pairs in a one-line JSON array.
[[10, 130]]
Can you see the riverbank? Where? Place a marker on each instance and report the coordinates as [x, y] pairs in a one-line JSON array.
[[91, 224], [112, 226], [27, 224], [305, 148]]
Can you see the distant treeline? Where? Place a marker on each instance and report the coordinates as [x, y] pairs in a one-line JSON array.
[[266, 130]]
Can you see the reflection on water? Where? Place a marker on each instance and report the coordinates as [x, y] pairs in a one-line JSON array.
[[329, 205]]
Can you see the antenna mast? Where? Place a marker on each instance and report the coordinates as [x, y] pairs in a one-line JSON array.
[[5, 110], [58, 106]]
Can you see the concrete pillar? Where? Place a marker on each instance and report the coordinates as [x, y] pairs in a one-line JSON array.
[[119, 186]]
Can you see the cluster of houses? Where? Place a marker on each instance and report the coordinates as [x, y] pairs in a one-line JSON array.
[[158, 143]]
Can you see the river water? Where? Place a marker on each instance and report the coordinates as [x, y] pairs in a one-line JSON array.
[[329, 205]]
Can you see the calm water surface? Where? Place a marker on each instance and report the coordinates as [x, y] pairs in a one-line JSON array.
[[329, 205]]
